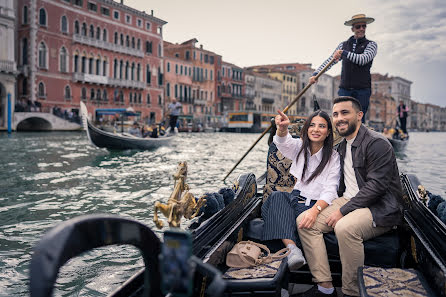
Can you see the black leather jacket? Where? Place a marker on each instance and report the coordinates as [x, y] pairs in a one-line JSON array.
[[377, 176]]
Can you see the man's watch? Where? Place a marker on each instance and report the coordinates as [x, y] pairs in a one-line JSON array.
[[319, 208]]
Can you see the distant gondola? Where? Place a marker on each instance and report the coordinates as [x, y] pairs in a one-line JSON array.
[[116, 141]]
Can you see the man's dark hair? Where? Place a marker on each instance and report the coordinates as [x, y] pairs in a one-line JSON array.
[[356, 105]]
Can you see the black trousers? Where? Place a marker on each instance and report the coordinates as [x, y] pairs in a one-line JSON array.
[[173, 122], [403, 124]]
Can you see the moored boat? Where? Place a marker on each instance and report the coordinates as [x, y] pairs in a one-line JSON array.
[[120, 141]]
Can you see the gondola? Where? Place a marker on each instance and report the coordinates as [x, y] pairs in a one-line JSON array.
[[120, 141], [399, 144], [420, 243]]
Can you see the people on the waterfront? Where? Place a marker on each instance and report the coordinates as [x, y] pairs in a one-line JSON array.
[[134, 130], [369, 202], [357, 54], [317, 169], [174, 110], [402, 112]]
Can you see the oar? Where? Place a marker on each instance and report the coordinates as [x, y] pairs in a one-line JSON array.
[[284, 111]]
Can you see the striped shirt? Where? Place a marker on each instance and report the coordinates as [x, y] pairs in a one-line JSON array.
[[322, 187], [359, 59]]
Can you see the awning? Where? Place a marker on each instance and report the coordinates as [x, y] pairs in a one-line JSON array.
[[111, 111]]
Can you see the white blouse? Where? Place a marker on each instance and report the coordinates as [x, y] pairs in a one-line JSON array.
[[325, 185]]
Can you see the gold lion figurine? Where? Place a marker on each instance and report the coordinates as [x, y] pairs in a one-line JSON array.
[[179, 204]]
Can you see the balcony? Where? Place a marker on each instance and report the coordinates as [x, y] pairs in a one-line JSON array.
[[8, 66], [107, 45], [199, 101], [103, 80]]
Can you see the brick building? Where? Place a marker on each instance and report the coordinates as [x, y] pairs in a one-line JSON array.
[[230, 89], [204, 72], [101, 52]]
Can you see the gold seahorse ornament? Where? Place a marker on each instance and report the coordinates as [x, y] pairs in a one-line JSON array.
[[179, 204]]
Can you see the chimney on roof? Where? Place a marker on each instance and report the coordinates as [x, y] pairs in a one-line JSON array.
[[201, 46], [151, 12]]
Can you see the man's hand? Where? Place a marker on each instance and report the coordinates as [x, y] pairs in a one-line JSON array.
[[282, 123], [312, 80], [334, 218], [337, 55], [309, 218]]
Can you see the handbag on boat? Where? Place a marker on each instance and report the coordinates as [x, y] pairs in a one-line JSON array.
[[249, 254]]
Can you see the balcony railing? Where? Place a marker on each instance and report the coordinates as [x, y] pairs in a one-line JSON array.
[[107, 45], [199, 101], [103, 80], [8, 66]]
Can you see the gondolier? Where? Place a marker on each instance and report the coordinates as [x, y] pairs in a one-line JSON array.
[[357, 54], [174, 109]]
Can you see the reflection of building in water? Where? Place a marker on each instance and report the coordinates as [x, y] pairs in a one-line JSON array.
[[8, 66]]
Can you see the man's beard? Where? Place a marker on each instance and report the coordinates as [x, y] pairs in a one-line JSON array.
[[351, 127]]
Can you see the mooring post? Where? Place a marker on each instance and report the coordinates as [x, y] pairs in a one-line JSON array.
[[9, 113]]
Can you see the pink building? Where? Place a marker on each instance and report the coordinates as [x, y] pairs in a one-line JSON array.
[[101, 52]]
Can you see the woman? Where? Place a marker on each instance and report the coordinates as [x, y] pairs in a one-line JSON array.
[[317, 170]]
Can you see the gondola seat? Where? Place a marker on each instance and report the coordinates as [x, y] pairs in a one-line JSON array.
[[261, 286], [386, 282]]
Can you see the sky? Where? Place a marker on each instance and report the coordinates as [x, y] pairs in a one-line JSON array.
[[411, 34]]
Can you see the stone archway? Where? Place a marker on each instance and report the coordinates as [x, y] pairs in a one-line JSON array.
[[34, 124]]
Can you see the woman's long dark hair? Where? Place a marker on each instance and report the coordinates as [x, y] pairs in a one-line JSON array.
[[327, 149]]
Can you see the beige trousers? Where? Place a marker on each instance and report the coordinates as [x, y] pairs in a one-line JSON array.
[[351, 231]]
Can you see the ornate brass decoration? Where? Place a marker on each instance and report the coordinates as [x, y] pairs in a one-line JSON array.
[[179, 204]]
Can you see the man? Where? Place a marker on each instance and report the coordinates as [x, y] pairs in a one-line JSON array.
[[369, 205], [402, 115], [357, 55], [174, 109], [134, 130]]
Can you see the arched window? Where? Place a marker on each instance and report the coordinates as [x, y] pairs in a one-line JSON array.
[[98, 33], [25, 51], [42, 17], [148, 99], [168, 89], [67, 93], [104, 67], [92, 93], [76, 63], [122, 39], [138, 44], [104, 35], [76, 27], [25, 15], [42, 55], [138, 72], [115, 68], [84, 64], [148, 74], [63, 59], [91, 31], [132, 73], [133, 42], [84, 93], [41, 90], [104, 95], [116, 38], [64, 24], [90, 65], [130, 97], [121, 66], [98, 95], [127, 41], [84, 29], [98, 66], [127, 70], [121, 96]]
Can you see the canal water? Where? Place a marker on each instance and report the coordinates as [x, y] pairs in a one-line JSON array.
[[46, 178]]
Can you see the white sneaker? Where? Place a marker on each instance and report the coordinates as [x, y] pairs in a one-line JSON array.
[[295, 259]]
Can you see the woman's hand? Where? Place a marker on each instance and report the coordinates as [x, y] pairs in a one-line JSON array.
[[282, 123], [309, 218]]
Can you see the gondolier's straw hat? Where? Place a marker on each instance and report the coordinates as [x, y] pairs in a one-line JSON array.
[[359, 18]]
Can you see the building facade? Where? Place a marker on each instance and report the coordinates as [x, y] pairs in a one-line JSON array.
[[263, 93], [8, 67], [101, 52]]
